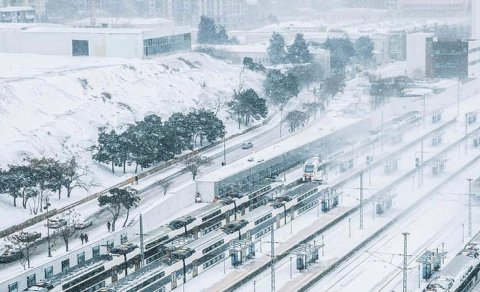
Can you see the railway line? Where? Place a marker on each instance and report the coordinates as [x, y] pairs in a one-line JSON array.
[[338, 265], [312, 237]]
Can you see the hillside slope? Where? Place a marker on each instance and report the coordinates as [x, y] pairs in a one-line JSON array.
[[53, 106]]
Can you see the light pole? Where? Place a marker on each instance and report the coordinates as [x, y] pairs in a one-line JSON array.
[[224, 150], [291, 271], [47, 205]]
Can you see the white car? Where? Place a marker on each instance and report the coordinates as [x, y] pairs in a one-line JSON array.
[[56, 223], [83, 224], [247, 145]]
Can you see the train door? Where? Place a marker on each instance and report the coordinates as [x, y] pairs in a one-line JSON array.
[[174, 280], [195, 268]]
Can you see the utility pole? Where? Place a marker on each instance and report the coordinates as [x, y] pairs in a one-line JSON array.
[[281, 119], [470, 207], [224, 150], [421, 162], [349, 227], [142, 247], [361, 200], [458, 97], [466, 131], [424, 111], [405, 263], [272, 256]]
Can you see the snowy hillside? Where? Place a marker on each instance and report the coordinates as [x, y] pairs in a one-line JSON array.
[[55, 108]]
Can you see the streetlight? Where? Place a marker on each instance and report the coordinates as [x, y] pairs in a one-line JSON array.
[[224, 150], [47, 205]]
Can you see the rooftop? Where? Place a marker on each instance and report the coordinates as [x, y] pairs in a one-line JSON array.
[[16, 8]]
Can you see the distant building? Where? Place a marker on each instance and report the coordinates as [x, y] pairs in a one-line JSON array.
[[130, 42], [230, 13], [429, 57], [424, 8], [37, 5], [17, 14]]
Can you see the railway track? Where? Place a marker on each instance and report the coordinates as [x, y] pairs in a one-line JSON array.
[[390, 224], [237, 284]]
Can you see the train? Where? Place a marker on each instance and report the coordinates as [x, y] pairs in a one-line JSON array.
[[461, 274], [313, 169]]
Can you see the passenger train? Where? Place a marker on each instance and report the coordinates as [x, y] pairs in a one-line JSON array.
[[461, 274]]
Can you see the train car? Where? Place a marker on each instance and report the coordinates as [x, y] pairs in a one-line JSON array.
[[461, 273], [312, 169]]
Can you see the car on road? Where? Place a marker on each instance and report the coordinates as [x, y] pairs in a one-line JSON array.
[[10, 254], [83, 224], [56, 223], [247, 145]]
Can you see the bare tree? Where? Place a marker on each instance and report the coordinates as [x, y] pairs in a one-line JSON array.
[[24, 243], [194, 163], [165, 185], [67, 229], [72, 176]]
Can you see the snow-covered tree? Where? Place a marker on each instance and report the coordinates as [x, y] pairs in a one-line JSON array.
[[247, 106], [25, 243], [193, 164], [295, 119], [298, 52], [276, 49], [341, 50], [364, 50], [206, 31], [67, 230]]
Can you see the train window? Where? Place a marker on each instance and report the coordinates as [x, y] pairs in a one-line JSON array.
[[95, 251], [81, 258], [65, 265], [13, 287], [31, 280], [48, 272]]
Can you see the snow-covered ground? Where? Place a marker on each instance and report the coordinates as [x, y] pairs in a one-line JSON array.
[[53, 106]]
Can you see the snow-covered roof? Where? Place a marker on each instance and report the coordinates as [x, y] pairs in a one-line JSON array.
[[119, 22], [16, 8]]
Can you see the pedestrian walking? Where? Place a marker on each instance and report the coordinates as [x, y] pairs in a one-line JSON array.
[[109, 225], [85, 236], [82, 237]]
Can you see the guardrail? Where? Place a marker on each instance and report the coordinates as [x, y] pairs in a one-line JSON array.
[[345, 215]]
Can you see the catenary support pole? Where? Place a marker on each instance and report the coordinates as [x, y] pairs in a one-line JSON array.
[[361, 200], [272, 255], [405, 262]]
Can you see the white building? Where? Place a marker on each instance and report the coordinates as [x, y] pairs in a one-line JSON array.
[[37, 5], [99, 42], [429, 7], [417, 54], [16, 14]]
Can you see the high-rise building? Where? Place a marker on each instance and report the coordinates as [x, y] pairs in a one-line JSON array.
[[230, 13]]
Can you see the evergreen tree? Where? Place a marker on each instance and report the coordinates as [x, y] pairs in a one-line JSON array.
[[130, 200], [112, 203], [364, 50], [298, 52], [106, 150], [291, 85], [276, 49], [205, 125], [206, 31], [341, 50], [378, 93], [221, 36], [274, 86], [334, 84], [247, 105]]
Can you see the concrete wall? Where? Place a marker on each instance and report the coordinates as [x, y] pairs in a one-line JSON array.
[[175, 201]]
